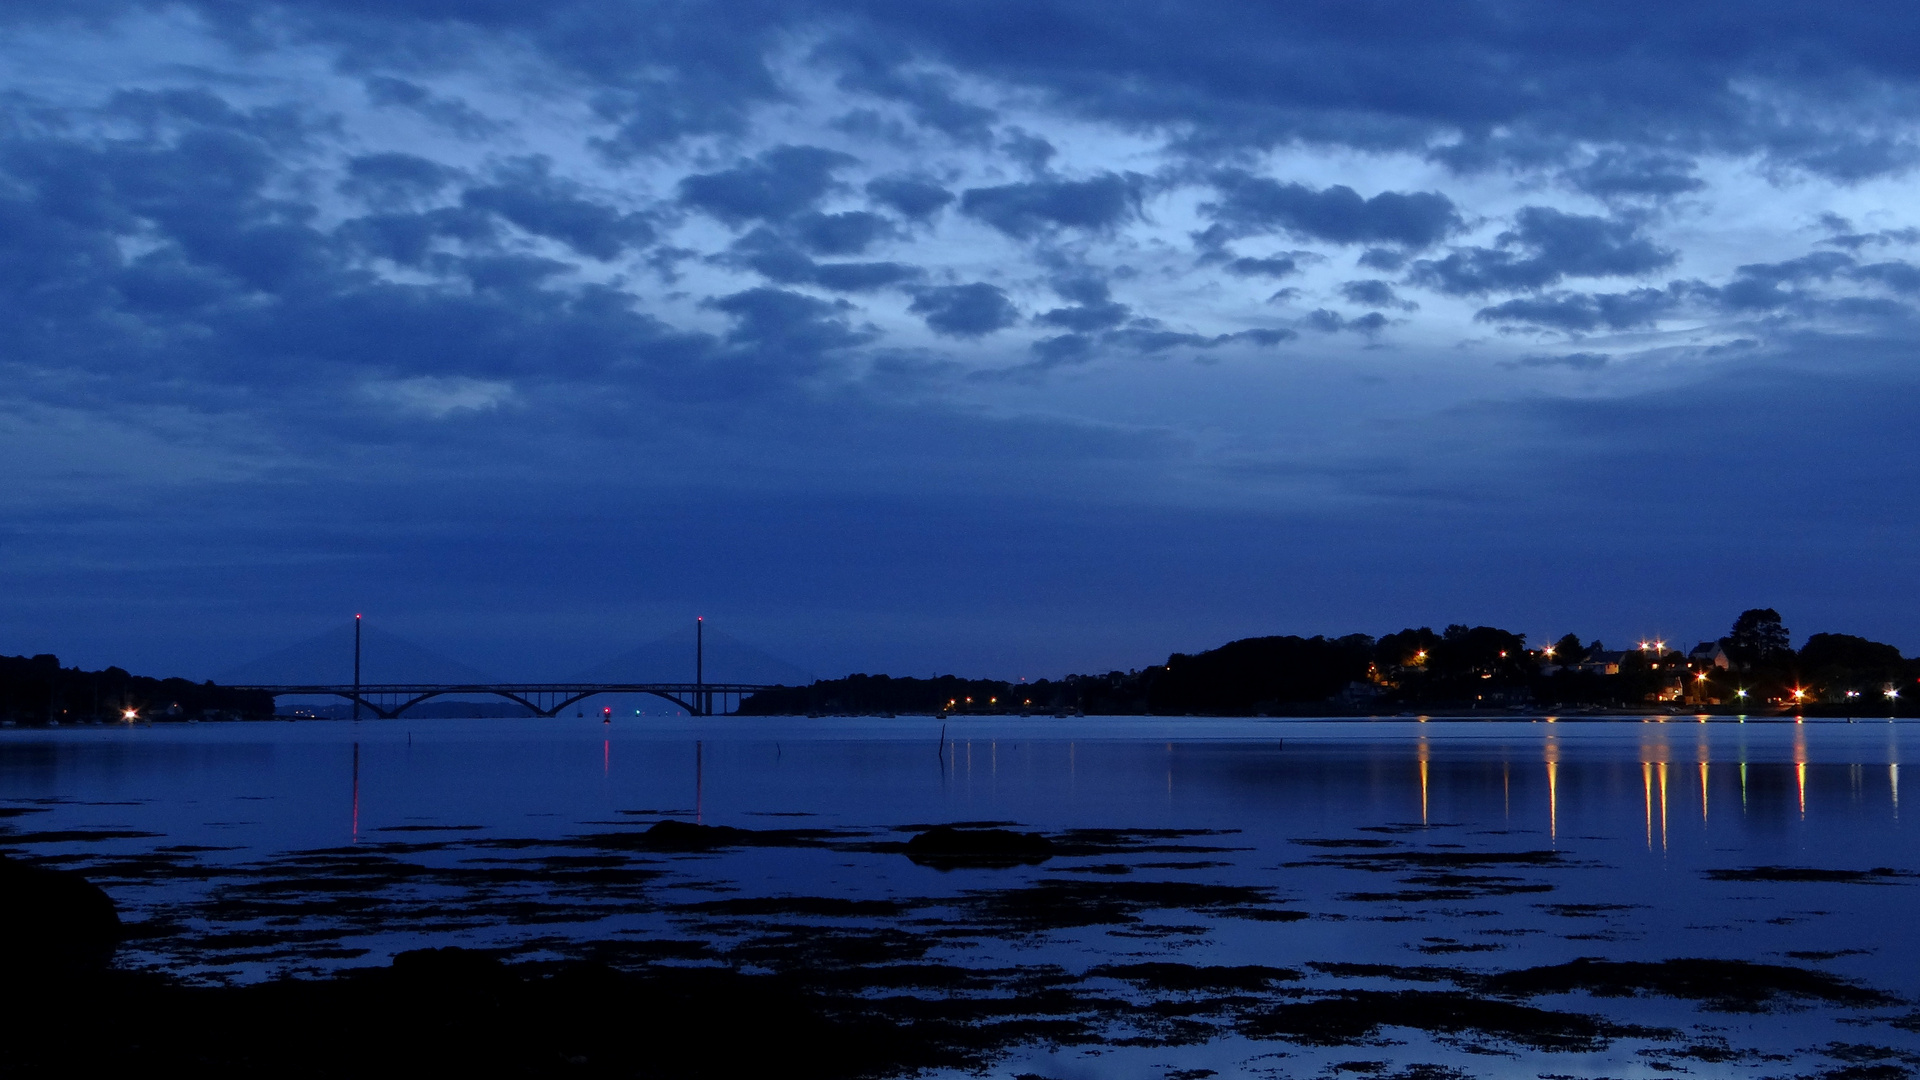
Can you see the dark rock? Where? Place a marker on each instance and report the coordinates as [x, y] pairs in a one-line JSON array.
[[945, 847], [53, 922], [451, 965], [1721, 985], [671, 835]]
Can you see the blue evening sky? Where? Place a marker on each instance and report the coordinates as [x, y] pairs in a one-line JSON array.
[[1005, 337]]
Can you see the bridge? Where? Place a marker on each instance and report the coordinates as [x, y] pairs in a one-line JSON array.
[[388, 700]]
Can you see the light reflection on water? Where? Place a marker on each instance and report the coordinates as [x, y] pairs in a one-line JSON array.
[[1638, 812]]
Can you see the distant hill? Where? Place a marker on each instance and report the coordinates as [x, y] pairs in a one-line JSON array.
[[328, 658], [670, 659]]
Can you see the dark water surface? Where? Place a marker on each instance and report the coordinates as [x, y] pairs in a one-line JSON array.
[[1253, 897]]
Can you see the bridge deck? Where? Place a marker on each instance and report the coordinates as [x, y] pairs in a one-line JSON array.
[[545, 699]]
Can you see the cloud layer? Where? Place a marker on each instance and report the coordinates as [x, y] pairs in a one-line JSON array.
[[1117, 330]]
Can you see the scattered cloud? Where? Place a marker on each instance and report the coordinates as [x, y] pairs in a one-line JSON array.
[[1031, 209], [964, 311], [1544, 247], [1250, 205], [776, 184]]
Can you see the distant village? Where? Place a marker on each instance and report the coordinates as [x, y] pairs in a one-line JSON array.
[[1753, 670], [1482, 669]]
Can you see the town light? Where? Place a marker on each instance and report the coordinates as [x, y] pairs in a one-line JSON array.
[[130, 714], [1547, 652], [1701, 677], [1893, 693], [1740, 693], [1798, 694]]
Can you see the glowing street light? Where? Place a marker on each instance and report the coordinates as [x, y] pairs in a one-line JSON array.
[[130, 714]]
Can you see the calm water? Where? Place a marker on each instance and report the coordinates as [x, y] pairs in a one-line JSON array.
[[1445, 850]]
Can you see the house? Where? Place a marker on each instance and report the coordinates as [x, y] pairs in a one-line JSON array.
[[1709, 654], [1602, 663]]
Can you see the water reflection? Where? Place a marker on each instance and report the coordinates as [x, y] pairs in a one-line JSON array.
[[1424, 757], [1553, 788], [1800, 763], [1809, 794]]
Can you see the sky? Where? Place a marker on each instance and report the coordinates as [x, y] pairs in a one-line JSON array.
[[1003, 338]]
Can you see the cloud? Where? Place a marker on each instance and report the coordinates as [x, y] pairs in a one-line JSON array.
[[1544, 246], [1618, 172], [911, 198], [293, 256], [1758, 286], [440, 397], [1063, 349], [1897, 275], [1146, 338], [1374, 293], [1095, 310], [964, 311], [528, 195], [929, 96], [776, 184], [1332, 322], [1583, 312], [1275, 266], [1086, 317], [394, 179], [1853, 241], [1386, 260], [409, 238], [839, 234], [1026, 210], [1255, 204], [864, 277], [789, 324], [456, 116], [766, 252], [1579, 361], [1028, 149]]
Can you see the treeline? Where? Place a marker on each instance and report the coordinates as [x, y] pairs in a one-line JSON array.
[[37, 690], [1753, 668]]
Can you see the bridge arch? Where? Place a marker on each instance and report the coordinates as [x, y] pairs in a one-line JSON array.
[[542, 699]]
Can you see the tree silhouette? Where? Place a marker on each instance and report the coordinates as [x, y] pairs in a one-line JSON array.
[[1758, 639]]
